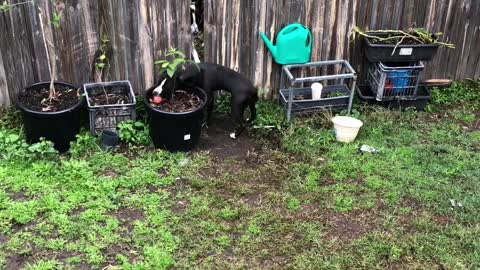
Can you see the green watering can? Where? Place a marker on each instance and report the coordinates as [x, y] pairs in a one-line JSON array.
[[294, 45]]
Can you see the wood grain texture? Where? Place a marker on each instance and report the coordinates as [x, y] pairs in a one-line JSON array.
[[331, 23], [140, 32]]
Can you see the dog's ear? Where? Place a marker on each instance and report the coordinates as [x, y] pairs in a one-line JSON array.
[[190, 71]]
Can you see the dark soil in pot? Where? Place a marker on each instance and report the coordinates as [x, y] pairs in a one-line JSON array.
[[36, 99], [116, 95], [181, 101], [59, 126], [177, 131]]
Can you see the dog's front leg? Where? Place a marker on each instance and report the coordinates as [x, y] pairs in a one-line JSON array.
[[237, 110], [210, 103]]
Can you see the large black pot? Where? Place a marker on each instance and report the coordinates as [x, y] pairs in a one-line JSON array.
[[176, 131], [58, 127]]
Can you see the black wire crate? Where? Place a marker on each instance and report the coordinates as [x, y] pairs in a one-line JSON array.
[[107, 117], [393, 81]]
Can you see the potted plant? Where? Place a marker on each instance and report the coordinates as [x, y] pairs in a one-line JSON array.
[[175, 110], [414, 44], [50, 110], [109, 103]]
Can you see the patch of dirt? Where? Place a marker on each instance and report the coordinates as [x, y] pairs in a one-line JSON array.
[[17, 196], [128, 216], [346, 227], [216, 139], [411, 203], [442, 220], [126, 249], [110, 173], [181, 101], [254, 200], [37, 100], [3, 239], [179, 207], [16, 261], [275, 262]]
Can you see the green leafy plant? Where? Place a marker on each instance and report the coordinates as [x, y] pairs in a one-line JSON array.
[[175, 60], [102, 60], [222, 104], [293, 204], [269, 116], [134, 133], [55, 21], [85, 144], [12, 146], [460, 94], [170, 66], [344, 204]]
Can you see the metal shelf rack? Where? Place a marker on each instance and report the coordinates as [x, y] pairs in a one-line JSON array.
[[338, 79]]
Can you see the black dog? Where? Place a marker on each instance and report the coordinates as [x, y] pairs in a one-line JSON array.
[[213, 77]]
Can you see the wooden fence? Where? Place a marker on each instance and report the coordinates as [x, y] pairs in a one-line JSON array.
[[139, 31], [232, 27]]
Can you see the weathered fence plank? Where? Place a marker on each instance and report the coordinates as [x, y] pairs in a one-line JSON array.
[[4, 95], [139, 33], [331, 23]]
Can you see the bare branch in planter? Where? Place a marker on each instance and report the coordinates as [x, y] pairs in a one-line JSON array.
[[420, 35], [50, 49]]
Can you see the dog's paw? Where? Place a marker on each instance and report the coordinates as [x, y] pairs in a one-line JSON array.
[[233, 136]]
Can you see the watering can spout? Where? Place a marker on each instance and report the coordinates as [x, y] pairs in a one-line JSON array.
[[272, 48]]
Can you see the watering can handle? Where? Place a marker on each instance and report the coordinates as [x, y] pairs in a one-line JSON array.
[[309, 41], [288, 29]]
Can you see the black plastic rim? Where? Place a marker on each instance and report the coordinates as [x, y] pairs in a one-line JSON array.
[[370, 44], [147, 103], [25, 109]]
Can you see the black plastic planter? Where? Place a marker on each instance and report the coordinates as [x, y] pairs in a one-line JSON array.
[[176, 131], [58, 127], [109, 140], [403, 53]]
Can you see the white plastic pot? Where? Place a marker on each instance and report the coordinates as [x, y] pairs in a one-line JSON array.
[[346, 128]]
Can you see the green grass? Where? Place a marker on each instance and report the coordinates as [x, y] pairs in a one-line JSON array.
[[301, 200]]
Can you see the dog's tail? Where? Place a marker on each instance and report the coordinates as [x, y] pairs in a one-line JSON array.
[[253, 110]]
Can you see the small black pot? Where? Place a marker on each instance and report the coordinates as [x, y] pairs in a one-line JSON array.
[[176, 131], [58, 127], [109, 140]]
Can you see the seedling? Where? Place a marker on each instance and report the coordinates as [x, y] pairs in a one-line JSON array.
[[102, 63], [170, 67]]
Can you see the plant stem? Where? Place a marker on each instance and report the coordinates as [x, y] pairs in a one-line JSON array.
[[50, 51]]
